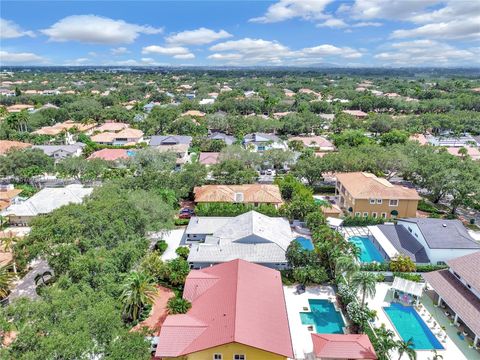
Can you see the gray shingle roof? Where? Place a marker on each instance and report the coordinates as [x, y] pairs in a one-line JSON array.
[[467, 267], [169, 140], [444, 234], [405, 243], [228, 139], [51, 149]]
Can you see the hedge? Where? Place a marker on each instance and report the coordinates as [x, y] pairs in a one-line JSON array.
[[362, 221]]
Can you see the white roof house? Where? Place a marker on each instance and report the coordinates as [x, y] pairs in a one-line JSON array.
[[251, 236], [47, 200]]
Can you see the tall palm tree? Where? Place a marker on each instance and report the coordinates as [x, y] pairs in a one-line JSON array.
[[406, 347], [7, 244], [5, 280], [346, 265], [138, 291], [365, 282], [384, 342]]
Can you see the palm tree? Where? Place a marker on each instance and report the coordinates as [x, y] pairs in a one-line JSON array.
[[178, 305], [436, 356], [5, 280], [384, 342], [406, 347], [8, 244], [365, 282], [138, 291], [346, 265]]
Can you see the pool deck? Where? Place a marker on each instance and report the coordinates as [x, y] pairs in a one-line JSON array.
[[454, 350], [301, 339]]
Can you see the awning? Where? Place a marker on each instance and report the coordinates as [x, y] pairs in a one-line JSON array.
[[407, 286], [334, 222]]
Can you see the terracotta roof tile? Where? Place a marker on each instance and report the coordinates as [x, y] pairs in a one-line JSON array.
[[252, 193], [341, 346]]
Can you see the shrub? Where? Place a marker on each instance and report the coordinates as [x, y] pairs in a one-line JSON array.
[[375, 266], [428, 268], [178, 305], [408, 276], [347, 294], [324, 189], [362, 221], [181, 222], [161, 246], [402, 263], [427, 207], [228, 209], [183, 252], [359, 316]]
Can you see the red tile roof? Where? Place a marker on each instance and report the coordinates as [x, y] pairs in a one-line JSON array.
[[237, 302], [208, 158], [109, 154], [7, 145], [340, 346]]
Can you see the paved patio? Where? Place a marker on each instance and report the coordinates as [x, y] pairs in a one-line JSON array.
[[174, 239], [453, 349], [301, 338]]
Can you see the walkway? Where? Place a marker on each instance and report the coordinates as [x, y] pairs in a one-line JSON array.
[[174, 239], [159, 311], [26, 286]]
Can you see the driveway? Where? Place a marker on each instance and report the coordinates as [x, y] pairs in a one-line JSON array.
[[174, 239]]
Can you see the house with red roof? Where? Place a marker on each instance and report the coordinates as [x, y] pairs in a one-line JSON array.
[[238, 312], [343, 347], [111, 154]]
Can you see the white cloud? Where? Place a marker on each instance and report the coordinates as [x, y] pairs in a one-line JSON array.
[[264, 52], [331, 50], [11, 30], [367, 23], [288, 9], [95, 29], [435, 19], [20, 58], [199, 36], [178, 52], [333, 23], [389, 9], [119, 51], [427, 52]]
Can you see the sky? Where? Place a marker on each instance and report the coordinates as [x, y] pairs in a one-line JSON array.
[[356, 33]]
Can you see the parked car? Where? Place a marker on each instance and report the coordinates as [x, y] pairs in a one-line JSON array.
[[186, 213]]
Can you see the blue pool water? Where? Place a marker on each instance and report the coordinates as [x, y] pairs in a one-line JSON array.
[[410, 325], [369, 252], [306, 243], [323, 316]]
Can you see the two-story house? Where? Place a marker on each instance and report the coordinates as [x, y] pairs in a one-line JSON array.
[[364, 194], [238, 312], [261, 142]]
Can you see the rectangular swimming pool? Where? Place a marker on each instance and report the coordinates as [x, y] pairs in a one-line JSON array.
[[323, 316], [368, 251], [410, 325]]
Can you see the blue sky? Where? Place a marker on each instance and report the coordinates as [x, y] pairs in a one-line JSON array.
[[281, 32]]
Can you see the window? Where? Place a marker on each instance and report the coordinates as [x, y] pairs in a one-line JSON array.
[[239, 357], [384, 215], [365, 214], [372, 201], [357, 213], [379, 201], [458, 276], [374, 214], [409, 229], [217, 357], [393, 203]]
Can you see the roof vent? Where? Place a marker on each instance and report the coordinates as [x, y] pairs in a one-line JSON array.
[[444, 225]]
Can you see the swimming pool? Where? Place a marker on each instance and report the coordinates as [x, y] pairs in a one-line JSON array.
[[409, 324], [305, 243], [368, 251], [323, 316]]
